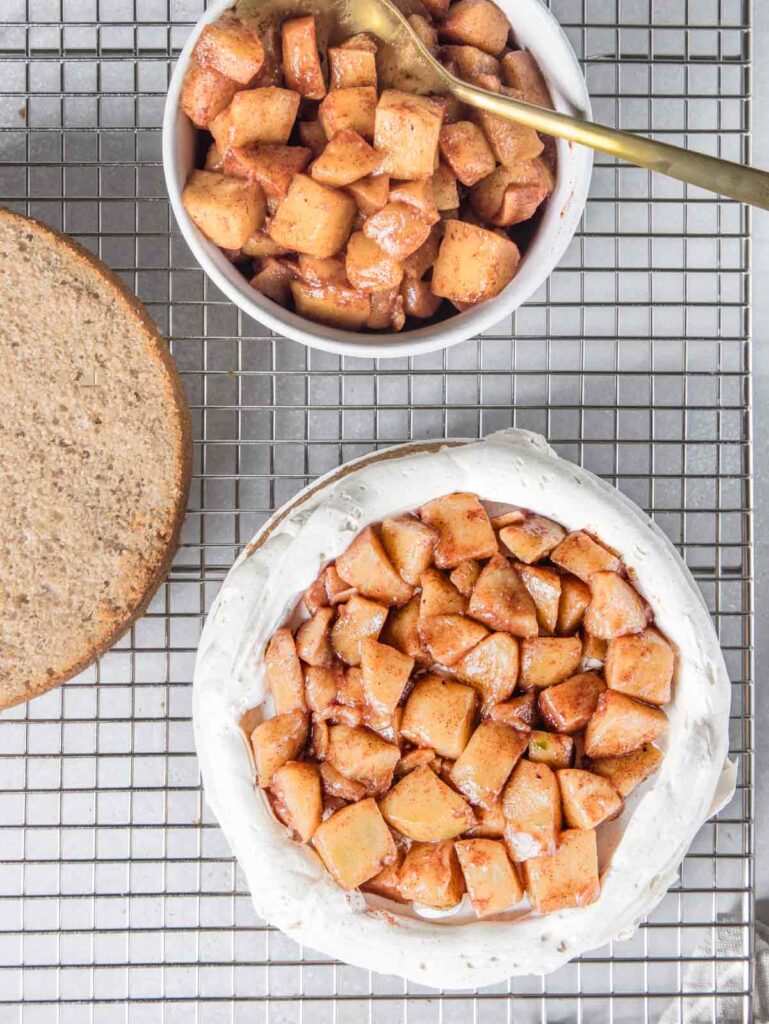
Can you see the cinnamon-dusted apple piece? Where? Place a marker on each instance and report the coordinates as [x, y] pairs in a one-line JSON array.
[[227, 210], [621, 724], [297, 797], [345, 159], [409, 543], [401, 631], [365, 566], [491, 668], [641, 666], [283, 673], [256, 115], [355, 844], [628, 770], [406, 133], [338, 785], [350, 688], [385, 675], [521, 712], [352, 108], [232, 47], [351, 68], [422, 807], [575, 597], [532, 807], [548, 659], [439, 713], [449, 637], [356, 619], [321, 685], [616, 608], [501, 601], [556, 750], [476, 23], [532, 539], [492, 882], [276, 741], [473, 264], [431, 875], [582, 556], [362, 755], [463, 526], [587, 799], [569, 706], [490, 821], [594, 649], [313, 643], [465, 576], [566, 878], [419, 757], [301, 60], [544, 585], [387, 882], [315, 595], [483, 767], [439, 596]]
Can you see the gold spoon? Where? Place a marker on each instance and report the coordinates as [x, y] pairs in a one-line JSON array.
[[404, 62]]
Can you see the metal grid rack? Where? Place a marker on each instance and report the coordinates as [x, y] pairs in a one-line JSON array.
[[118, 896]]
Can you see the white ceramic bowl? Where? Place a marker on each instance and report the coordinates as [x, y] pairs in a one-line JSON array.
[[639, 852], [535, 29]]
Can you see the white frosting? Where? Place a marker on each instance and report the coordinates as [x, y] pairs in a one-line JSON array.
[[640, 852]]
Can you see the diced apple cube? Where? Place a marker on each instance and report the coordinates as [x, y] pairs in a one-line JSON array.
[[401, 631], [463, 526], [587, 799], [337, 589], [409, 544], [449, 637], [579, 554], [476, 23], [424, 30], [350, 689], [521, 712], [349, 69], [301, 59], [473, 264], [548, 659], [227, 210], [621, 724], [492, 882], [370, 193], [431, 875], [532, 539], [511, 143], [298, 800], [556, 750], [419, 757], [424, 808], [491, 668], [421, 260], [362, 755], [501, 601], [469, 61], [256, 115], [641, 666], [283, 673], [345, 159], [465, 576], [260, 245], [319, 738], [365, 566], [387, 882], [331, 304], [315, 596], [520, 71], [406, 133], [276, 741], [321, 685], [628, 770], [532, 807], [313, 218], [544, 585], [312, 639], [575, 597], [358, 618], [418, 194], [569, 706], [232, 47], [355, 844], [369, 268], [273, 167], [385, 675], [439, 596], [445, 190], [274, 280], [616, 608], [439, 713], [349, 108], [490, 821], [205, 94], [483, 767], [594, 650], [398, 229], [503, 200], [338, 785], [318, 270], [566, 878], [466, 151], [418, 299]]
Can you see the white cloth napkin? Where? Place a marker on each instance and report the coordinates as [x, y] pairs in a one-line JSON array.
[[729, 977]]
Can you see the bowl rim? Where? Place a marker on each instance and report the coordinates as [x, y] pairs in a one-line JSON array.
[[554, 234]]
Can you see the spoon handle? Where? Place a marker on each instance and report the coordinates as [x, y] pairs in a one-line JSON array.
[[746, 184]]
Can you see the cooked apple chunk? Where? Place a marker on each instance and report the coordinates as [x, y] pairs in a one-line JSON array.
[[418, 299], [520, 71], [355, 844], [490, 821], [483, 767], [628, 770], [338, 785], [370, 193], [569, 706], [473, 265], [575, 597], [587, 799], [418, 194], [401, 631], [431, 875], [544, 585], [227, 210], [353, 108], [350, 688], [362, 755], [566, 878], [358, 618], [351, 69], [594, 649], [232, 47], [205, 93], [409, 544], [385, 675], [465, 576], [406, 133], [283, 673], [449, 637], [256, 115], [641, 666], [463, 526], [439, 596], [398, 229], [387, 882], [621, 724], [365, 566], [337, 590], [491, 668], [492, 882], [548, 659], [616, 608], [466, 151], [413, 759], [532, 539], [553, 749], [298, 800], [315, 595], [313, 218], [439, 713], [312, 639], [582, 556], [476, 23], [345, 159], [301, 59], [501, 601], [276, 741], [422, 807], [521, 712], [532, 807]]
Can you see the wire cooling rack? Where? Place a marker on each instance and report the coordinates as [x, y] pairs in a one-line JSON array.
[[119, 900]]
